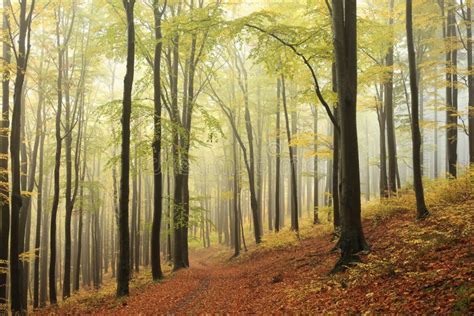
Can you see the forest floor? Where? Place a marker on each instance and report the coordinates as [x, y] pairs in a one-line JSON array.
[[413, 268]]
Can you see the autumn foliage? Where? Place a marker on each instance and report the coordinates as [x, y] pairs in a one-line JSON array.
[[413, 268]]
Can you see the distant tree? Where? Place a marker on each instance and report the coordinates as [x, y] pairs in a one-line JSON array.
[[4, 179], [294, 191]]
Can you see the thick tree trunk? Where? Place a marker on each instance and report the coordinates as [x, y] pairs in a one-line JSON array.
[[16, 239], [352, 239], [123, 275], [422, 211]]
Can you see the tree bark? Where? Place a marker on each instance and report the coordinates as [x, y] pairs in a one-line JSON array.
[[294, 189], [389, 110], [352, 240], [157, 175], [123, 275], [422, 211], [23, 49]]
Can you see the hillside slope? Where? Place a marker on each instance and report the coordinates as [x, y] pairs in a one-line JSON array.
[[413, 267]]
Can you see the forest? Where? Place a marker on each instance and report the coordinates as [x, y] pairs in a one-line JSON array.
[[218, 156]]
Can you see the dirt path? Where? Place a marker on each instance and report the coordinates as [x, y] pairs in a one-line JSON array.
[[255, 284]]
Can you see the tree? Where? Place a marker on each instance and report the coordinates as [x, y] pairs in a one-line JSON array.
[[22, 52], [61, 45], [389, 109], [315, 168], [123, 274], [450, 38], [157, 175], [352, 240], [421, 209], [278, 159], [294, 192], [4, 179]]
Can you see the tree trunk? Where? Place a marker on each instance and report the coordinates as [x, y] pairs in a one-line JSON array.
[[352, 239], [123, 275], [315, 169], [470, 80], [41, 129], [81, 216], [389, 110], [449, 34], [23, 49], [422, 211], [57, 166], [294, 189], [278, 160], [4, 179], [336, 165], [383, 185], [235, 207], [157, 175]]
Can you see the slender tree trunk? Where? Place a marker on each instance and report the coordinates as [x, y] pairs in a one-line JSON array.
[[450, 37], [315, 169], [235, 205], [80, 213], [25, 216], [57, 166], [336, 166], [4, 179], [422, 211], [294, 189], [278, 160], [43, 286], [389, 110], [383, 185], [243, 83], [157, 175], [41, 129], [270, 200], [470, 80]]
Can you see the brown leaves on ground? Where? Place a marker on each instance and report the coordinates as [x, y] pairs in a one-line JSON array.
[[413, 268]]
